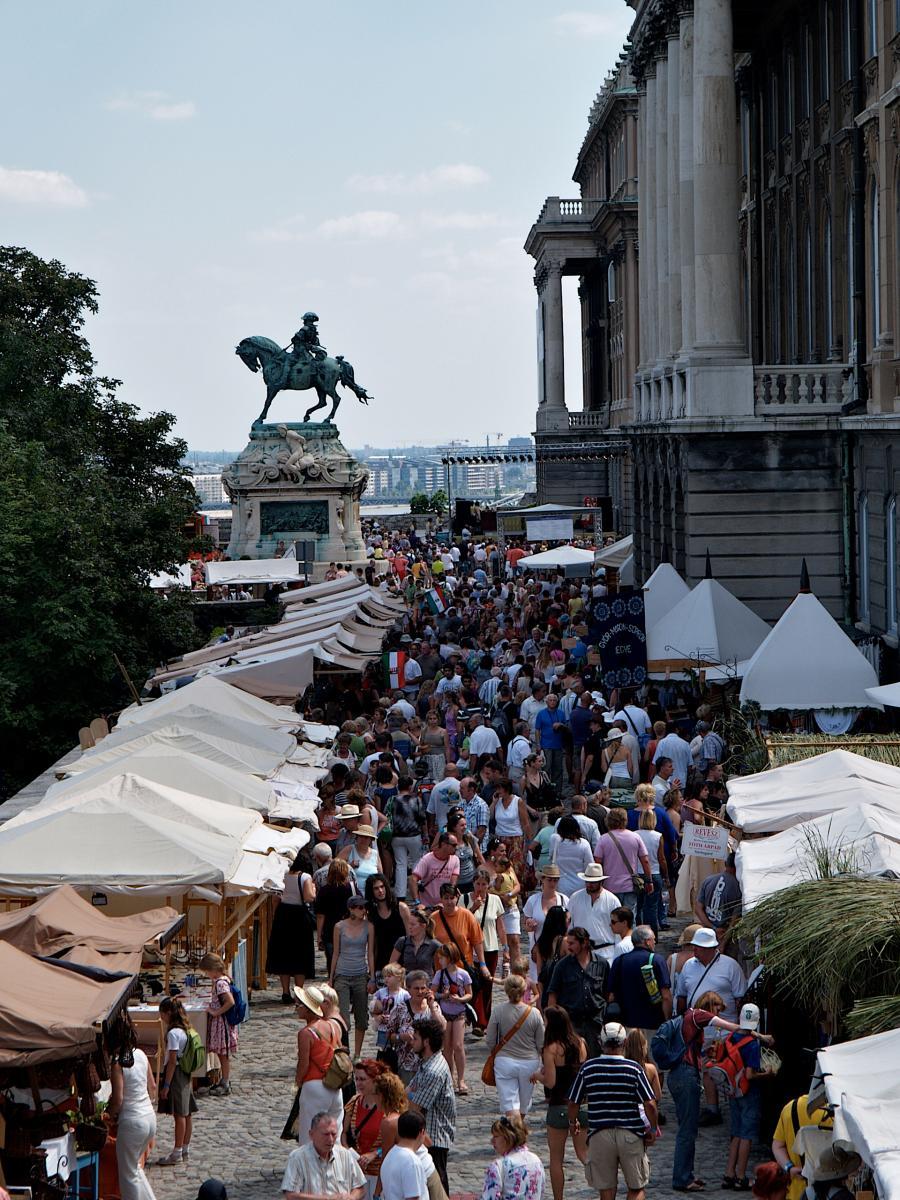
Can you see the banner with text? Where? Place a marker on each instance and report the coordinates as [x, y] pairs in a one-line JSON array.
[[704, 841], [618, 631]]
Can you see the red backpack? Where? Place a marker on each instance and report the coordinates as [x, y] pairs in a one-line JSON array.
[[727, 1068]]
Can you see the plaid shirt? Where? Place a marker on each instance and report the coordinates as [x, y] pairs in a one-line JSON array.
[[477, 816], [431, 1088]]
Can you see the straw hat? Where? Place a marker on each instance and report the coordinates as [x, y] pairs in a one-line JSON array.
[[309, 997], [551, 871], [614, 734], [687, 933], [364, 831], [348, 813], [593, 873]]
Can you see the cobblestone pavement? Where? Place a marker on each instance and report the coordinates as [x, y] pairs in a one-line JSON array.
[[236, 1138]]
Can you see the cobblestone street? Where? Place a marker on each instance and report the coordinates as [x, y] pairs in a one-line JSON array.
[[236, 1138]]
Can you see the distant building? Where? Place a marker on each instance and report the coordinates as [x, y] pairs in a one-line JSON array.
[[210, 489]]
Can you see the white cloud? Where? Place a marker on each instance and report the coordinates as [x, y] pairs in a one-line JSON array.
[[443, 178], [467, 221], [156, 105], [371, 224], [41, 187], [288, 230], [595, 24]]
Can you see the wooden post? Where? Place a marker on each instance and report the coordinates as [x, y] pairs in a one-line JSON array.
[[127, 678]]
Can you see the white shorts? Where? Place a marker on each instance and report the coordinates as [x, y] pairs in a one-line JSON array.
[[512, 920], [514, 1086], [315, 1097]]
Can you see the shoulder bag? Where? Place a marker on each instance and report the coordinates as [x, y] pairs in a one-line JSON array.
[[488, 1075], [638, 881]]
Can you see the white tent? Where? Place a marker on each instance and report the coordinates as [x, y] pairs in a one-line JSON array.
[[253, 570], [614, 556], [889, 694], [215, 696], [791, 806], [708, 624], [181, 578], [824, 768], [284, 675], [662, 591], [861, 1081], [163, 764], [218, 748], [807, 661], [769, 864], [626, 572], [199, 719], [560, 556]]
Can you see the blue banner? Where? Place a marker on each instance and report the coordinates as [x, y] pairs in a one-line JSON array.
[[618, 631]]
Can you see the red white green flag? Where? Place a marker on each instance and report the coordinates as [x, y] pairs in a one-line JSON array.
[[394, 663], [436, 600]]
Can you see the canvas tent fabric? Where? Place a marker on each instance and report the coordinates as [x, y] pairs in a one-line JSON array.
[[662, 591], [820, 768], [769, 864], [860, 1080], [888, 695], [284, 675], [615, 556], [48, 1013], [709, 624], [213, 695], [61, 920], [772, 814], [215, 749], [560, 556], [253, 570], [807, 661]]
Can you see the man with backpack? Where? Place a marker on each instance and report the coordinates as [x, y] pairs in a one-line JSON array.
[[738, 1069], [639, 984]]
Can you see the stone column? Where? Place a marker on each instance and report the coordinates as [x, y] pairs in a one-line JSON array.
[[642, 225], [673, 76], [662, 205], [633, 316], [717, 267], [686, 174], [647, 196], [552, 413]]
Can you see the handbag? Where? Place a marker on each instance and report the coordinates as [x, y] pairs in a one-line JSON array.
[[488, 1075], [638, 881]]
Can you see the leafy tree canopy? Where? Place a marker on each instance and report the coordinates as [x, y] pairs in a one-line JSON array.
[[93, 500]]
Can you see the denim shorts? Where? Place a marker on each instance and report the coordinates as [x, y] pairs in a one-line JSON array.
[[558, 1117], [745, 1115]]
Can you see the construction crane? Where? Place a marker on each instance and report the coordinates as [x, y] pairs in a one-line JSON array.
[[487, 439]]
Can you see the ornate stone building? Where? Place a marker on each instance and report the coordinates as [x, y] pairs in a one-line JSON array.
[[593, 237]]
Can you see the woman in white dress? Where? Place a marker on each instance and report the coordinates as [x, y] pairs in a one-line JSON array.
[[538, 905], [572, 853], [131, 1105]]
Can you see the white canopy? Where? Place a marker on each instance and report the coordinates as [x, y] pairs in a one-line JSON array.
[[820, 768], [708, 624], [626, 572], [560, 556], [163, 764], [662, 592], [284, 675], [889, 694], [807, 661], [785, 809], [770, 864], [253, 570], [217, 747], [215, 696], [615, 555], [202, 720], [861, 1081]]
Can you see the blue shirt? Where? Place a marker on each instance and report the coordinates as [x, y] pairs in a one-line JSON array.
[[627, 985], [551, 739], [580, 724], [675, 747]]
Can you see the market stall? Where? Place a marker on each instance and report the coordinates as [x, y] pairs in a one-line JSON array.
[[708, 626]]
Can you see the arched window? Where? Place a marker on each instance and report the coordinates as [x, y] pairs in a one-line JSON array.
[[862, 542], [890, 565], [851, 271], [611, 283], [875, 261]]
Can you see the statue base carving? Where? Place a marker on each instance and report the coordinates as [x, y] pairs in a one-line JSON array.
[[295, 481]]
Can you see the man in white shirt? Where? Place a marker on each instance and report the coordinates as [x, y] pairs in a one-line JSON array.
[[592, 907], [675, 747], [590, 830], [662, 780], [322, 1169], [636, 718], [444, 796], [482, 739], [534, 704], [401, 705], [412, 675], [402, 1170]]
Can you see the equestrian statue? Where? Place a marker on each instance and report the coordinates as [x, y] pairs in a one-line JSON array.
[[306, 364]]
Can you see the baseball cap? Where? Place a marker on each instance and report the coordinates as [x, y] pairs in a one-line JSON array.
[[749, 1018], [613, 1034]]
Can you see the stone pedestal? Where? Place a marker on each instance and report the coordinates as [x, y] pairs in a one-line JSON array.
[[295, 481]]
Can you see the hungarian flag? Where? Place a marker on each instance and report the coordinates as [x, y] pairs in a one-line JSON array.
[[436, 600], [394, 664]]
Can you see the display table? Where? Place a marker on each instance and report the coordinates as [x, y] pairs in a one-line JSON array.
[[88, 1161], [149, 1027]]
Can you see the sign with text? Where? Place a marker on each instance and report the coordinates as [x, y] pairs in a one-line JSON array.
[[557, 529], [617, 629], [704, 841]]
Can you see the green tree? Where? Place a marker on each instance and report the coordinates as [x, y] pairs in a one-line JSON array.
[[439, 502], [419, 503], [93, 500]]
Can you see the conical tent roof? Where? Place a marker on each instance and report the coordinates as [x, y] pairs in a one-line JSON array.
[[217, 696], [662, 591], [708, 623], [807, 661], [162, 763]]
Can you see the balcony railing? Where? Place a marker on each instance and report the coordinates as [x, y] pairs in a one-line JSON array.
[[819, 388], [557, 211], [587, 420]]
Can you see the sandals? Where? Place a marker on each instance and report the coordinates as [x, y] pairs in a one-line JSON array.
[[696, 1185], [170, 1160], [462, 1090]]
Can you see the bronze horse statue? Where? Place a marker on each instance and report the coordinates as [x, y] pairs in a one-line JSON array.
[[282, 372]]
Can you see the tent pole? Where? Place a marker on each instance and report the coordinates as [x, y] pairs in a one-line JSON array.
[[127, 677]]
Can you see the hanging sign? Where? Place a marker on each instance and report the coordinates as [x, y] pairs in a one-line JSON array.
[[618, 632], [704, 841]]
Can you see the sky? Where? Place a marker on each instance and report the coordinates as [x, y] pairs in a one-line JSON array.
[[219, 169]]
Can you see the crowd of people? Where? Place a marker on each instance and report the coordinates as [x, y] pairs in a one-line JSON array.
[[498, 851]]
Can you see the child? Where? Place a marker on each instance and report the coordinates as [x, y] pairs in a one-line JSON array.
[[221, 1038], [506, 885], [745, 1109], [452, 988], [387, 997], [532, 993], [638, 1051], [176, 1094]]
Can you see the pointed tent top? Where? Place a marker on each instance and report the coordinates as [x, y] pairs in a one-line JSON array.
[[804, 579], [664, 554], [708, 573]]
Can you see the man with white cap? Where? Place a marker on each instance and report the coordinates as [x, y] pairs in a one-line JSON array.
[[745, 1109], [591, 907], [614, 1089], [710, 971]]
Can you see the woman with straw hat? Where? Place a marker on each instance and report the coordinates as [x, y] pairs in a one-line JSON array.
[[316, 1044], [538, 904], [362, 854]]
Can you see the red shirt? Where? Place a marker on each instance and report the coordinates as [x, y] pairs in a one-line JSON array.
[[692, 1026]]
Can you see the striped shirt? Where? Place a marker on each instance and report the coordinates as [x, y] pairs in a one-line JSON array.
[[614, 1088]]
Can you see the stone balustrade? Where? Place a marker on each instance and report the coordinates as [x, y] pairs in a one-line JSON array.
[[587, 420], [557, 211], [819, 387]]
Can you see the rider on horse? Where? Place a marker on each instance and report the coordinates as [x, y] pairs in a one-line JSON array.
[[305, 342]]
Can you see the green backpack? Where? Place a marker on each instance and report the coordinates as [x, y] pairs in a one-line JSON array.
[[193, 1057]]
